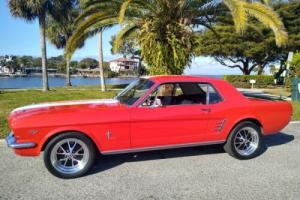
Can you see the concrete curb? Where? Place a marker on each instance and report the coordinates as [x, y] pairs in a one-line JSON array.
[[2, 141], [295, 122]]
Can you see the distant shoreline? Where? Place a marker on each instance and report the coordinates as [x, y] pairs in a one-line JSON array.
[[35, 81], [58, 80], [57, 75], [77, 75]]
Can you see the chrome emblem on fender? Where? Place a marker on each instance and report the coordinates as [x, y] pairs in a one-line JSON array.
[[220, 125], [108, 134], [33, 132]]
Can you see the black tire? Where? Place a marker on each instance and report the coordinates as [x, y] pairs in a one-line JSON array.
[[230, 147], [89, 147]]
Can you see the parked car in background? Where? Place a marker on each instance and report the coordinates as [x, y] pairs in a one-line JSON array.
[[158, 112]]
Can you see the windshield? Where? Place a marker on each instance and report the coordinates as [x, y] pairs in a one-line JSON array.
[[134, 91]]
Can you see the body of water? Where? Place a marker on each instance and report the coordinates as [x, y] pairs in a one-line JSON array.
[[36, 81]]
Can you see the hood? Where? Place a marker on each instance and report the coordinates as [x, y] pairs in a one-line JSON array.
[[62, 111], [67, 113], [42, 106]]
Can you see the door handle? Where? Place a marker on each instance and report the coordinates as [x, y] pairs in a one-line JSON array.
[[206, 109]]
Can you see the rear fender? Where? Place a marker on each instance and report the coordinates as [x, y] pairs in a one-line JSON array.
[[234, 123]]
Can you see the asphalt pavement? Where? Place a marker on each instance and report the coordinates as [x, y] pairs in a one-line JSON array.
[[187, 173]]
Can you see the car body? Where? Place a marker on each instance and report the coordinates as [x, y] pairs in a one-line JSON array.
[[117, 127]]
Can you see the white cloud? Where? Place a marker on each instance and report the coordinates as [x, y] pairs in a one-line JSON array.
[[208, 66]]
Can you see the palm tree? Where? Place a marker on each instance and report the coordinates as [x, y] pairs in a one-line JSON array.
[[73, 45], [167, 29], [102, 82], [59, 32], [31, 10]]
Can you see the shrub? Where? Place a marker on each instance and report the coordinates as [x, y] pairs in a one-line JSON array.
[[294, 70], [295, 66], [243, 81]]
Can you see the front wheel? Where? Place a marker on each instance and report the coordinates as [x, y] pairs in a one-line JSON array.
[[244, 141], [69, 155]]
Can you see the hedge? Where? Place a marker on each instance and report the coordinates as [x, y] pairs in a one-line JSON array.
[[243, 81]]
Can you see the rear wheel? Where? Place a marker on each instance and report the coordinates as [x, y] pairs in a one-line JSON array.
[[244, 141], [69, 155]]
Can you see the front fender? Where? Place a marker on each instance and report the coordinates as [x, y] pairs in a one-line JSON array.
[[54, 132]]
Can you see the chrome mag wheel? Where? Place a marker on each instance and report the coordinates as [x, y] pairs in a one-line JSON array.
[[69, 156], [246, 141]]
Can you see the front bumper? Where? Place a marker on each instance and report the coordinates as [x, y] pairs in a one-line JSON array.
[[11, 142]]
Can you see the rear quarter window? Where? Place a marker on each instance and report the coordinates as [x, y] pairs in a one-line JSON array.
[[214, 96]]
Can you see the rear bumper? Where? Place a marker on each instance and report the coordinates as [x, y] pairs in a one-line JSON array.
[[12, 143]]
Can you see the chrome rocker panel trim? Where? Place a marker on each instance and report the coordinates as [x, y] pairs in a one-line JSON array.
[[11, 142], [133, 150]]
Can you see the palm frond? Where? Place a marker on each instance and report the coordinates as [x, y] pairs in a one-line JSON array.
[[87, 3], [112, 6], [123, 34], [139, 7], [238, 13], [123, 10], [270, 19], [242, 10], [267, 2], [98, 21], [22, 9], [54, 35]]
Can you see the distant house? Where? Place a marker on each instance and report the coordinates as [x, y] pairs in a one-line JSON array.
[[6, 70], [88, 72], [37, 70], [123, 65]]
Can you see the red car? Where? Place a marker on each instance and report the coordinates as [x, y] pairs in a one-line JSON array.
[[158, 112]]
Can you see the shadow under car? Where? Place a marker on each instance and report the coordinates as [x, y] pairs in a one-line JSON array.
[[106, 162]]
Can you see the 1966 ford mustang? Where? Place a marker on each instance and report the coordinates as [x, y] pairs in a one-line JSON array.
[[152, 113]]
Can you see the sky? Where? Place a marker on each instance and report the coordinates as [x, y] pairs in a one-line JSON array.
[[18, 37]]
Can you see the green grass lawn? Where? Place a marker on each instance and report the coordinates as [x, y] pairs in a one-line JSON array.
[[13, 99], [296, 109]]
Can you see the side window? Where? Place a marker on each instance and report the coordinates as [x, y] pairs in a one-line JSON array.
[[193, 93], [178, 90], [214, 96], [182, 94], [162, 96]]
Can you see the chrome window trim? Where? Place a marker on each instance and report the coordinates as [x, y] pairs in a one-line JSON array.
[[221, 97]]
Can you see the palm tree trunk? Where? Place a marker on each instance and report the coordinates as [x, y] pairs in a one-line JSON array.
[[42, 26], [68, 79], [103, 88]]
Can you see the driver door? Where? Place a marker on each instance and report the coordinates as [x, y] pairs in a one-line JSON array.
[[174, 122]]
